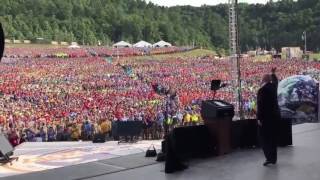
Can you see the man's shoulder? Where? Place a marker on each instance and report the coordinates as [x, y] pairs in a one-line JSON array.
[[261, 89], [266, 87]]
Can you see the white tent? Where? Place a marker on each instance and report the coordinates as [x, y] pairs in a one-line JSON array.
[[73, 46], [162, 44], [122, 44], [142, 44]]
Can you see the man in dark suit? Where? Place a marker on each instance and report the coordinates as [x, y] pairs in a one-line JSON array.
[[268, 115]]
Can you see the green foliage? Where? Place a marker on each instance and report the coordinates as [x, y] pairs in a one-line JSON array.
[[188, 54], [272, 25], [315, 57]]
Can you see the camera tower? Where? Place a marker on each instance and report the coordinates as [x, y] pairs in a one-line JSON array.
[[235, 54]]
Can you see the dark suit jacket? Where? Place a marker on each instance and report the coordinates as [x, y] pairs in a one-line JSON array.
[[268, 111]]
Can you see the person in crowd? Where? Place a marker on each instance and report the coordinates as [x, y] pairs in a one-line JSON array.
[[75, 134], [51, 134], [83, 132], [42, 134], [186, 119], [59, 136], [88, 130], [13, 138], [30, 135], [22, 138], [105, 127], [66, 133]]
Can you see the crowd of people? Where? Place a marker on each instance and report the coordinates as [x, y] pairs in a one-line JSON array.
[[101, 51], [56, 99]]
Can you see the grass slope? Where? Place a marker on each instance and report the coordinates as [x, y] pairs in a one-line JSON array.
[[189, 54]]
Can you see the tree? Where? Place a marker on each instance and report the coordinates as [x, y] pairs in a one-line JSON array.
[[274, 24]]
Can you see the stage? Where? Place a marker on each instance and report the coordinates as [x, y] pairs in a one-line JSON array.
[[300, 161], [40, 156]]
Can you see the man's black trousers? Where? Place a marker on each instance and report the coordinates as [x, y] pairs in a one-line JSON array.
[[268, 135]]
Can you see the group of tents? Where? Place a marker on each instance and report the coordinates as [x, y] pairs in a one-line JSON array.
[[142, 44]]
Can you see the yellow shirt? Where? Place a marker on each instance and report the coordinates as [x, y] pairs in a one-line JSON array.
[[105, 126], [194, 118], [169, 121], [75, 133], [187, 118]]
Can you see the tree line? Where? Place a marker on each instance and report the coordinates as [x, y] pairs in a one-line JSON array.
[[271, 25]]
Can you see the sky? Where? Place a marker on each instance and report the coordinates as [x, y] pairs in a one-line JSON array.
[[198, 2]]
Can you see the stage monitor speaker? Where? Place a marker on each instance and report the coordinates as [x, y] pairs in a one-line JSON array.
[[245, 134], [183, 143], [285, 132], [6, 148], [215, 85], [193, 141]]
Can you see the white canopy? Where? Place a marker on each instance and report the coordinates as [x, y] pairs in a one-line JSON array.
[[122, 44], [142, 44], [74, 46], [162, 44]]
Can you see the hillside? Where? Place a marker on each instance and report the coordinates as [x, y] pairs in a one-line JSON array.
[[88, 21]]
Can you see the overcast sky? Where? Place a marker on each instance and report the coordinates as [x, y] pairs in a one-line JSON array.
[[198, 2]]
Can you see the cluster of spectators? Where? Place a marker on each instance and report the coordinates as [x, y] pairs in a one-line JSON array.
[[57, 132], [86, 52], [54, 99]]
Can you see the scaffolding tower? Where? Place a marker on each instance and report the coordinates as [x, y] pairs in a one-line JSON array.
[[235, 56]]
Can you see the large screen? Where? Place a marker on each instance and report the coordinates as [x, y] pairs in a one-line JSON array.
[[298, 98]]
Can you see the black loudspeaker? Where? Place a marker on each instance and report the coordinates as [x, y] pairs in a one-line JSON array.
[[126, 128], [99, 138], [284, 132], [245, 134], [192, 142], [1, 41], [187, 142], [215, 85]]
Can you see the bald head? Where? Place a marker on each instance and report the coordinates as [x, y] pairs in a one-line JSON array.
[[266, 78]]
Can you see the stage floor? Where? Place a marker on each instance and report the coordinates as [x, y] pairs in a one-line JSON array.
[[298, 162], [40, 156]]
